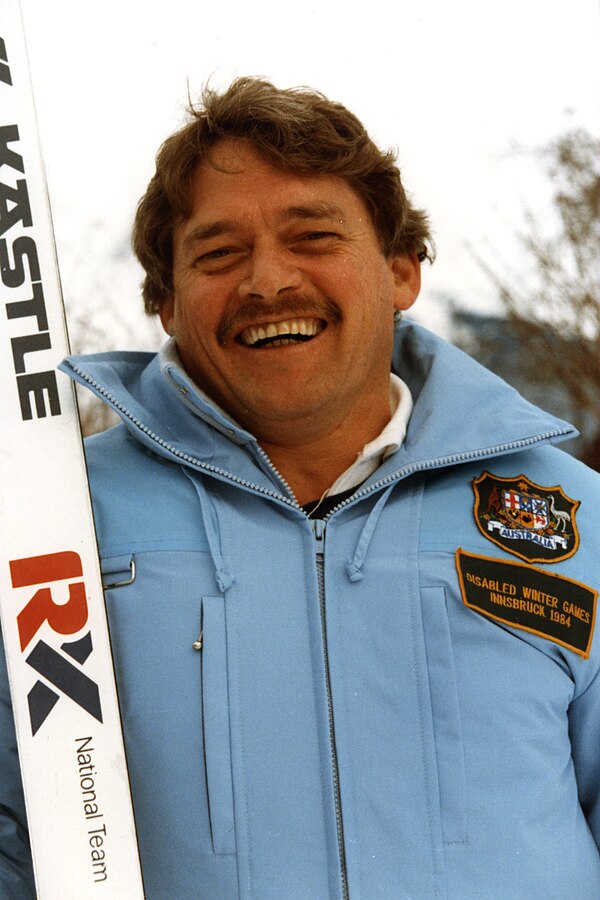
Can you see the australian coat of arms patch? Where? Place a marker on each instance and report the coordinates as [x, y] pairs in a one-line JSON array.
[[535, 523]]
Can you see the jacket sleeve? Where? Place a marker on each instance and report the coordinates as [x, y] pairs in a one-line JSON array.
[[16, 868], [584, 726]]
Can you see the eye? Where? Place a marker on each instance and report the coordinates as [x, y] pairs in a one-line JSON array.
[[318, 235], [315, 241], [218, 253], [217, 259]]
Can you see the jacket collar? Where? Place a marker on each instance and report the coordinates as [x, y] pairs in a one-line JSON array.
[[461, 410], [461, 407]]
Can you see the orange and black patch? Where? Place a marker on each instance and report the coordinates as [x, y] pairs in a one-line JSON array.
[[551, 606], [535, 523]]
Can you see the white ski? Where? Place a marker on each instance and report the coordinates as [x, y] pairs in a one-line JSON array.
[[54, 625]]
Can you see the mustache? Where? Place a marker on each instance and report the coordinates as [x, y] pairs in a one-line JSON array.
[[294, 306]]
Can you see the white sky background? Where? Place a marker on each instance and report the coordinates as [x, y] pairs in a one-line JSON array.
[[454, 84]]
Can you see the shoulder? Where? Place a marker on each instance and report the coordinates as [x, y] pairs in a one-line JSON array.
[[552, 466], [112, 450], [556, 468], [138, 496]]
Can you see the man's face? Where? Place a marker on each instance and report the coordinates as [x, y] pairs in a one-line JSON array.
[[283, 300]]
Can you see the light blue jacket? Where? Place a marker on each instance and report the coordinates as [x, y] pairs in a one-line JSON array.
[[350, 726]]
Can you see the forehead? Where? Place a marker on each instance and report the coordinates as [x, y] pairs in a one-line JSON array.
[[235, 177]]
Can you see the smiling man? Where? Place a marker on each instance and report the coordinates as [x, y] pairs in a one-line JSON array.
[[356, 658], [267, 273]]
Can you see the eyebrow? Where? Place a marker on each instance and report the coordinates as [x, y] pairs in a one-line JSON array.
[[292, 213], [321, 210], [204, 232]]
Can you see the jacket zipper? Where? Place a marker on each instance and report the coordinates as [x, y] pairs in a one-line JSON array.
[[318, 526]]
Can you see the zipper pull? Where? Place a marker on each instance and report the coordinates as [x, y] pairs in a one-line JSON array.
[[197, 645], [318, 527]]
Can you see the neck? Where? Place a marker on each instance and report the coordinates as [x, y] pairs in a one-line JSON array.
[[311, 465]]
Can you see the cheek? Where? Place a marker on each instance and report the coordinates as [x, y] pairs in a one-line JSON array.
[[376, 302], [200, 308], [190, 317], [370, 278]]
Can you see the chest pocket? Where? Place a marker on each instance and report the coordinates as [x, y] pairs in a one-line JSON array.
[[215, 717], [446, 715], [170, 654]]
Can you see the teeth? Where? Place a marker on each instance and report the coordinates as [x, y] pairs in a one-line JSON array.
[[255, 333]]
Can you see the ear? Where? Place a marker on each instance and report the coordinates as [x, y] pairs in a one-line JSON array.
[[407, 280], [166, 312]]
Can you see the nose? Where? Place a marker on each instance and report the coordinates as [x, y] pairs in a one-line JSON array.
[[270, 272]]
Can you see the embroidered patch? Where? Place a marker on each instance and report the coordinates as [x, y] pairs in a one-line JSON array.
[[549, 605], [535, 523]]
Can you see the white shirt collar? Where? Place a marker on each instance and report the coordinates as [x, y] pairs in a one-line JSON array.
[[390, 440]]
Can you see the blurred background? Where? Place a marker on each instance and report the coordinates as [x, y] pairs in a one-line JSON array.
[[494, 109]]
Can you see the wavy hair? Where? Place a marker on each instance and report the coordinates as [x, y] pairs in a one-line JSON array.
[[296, 130]]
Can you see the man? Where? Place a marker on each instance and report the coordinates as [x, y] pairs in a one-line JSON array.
[[357, 656]]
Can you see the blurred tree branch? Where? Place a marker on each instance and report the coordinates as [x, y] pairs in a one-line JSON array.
[[104, 309], [556, 318]]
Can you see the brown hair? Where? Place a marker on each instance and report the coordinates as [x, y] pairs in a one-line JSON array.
[[297, 130]]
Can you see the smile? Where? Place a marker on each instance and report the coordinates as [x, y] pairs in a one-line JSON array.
[[281, 334]]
